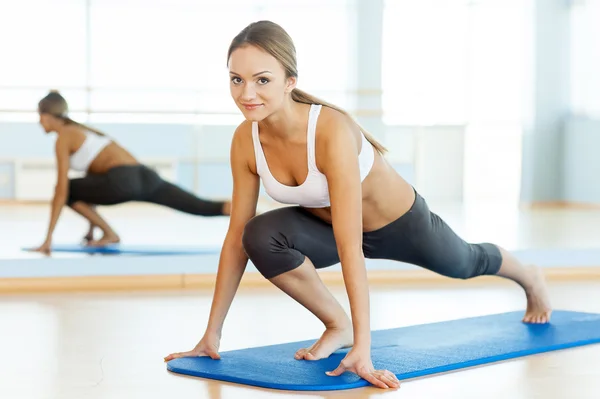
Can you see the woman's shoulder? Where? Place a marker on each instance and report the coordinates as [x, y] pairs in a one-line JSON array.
[[241, 143], [71, 137], [334, 123], [243, 132]]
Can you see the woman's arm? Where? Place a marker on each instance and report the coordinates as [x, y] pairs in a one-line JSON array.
[[61, 189], [233, 259], [339, 163]]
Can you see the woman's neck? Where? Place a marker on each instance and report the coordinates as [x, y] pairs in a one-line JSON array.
[[287, 122], [66, 128]]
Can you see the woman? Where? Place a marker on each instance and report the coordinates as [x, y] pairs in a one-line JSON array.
[[351, 204], [113, 176]]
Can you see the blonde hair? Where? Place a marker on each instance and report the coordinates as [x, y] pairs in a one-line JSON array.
[[55, 104], [273, 39]]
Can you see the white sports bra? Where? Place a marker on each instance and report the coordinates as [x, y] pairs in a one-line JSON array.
[[81, 159], [314, 192]]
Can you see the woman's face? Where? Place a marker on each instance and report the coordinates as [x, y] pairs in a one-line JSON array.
[[258, 83], [47, 122]]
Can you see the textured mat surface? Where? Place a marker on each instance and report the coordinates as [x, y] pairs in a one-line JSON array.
[[408, 352]]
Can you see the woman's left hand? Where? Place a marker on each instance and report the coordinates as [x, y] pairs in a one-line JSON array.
[[359, 362], [45, 248]]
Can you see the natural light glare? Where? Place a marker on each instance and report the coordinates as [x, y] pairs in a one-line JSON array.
[[585, 58], [27, 99], [424, 61], [453, 62], [42, 43], [498, 89], [159, 56], [496, 61], [319, 67], [171, 47]]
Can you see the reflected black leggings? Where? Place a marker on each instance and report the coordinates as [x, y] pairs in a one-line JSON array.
[[138, 183]]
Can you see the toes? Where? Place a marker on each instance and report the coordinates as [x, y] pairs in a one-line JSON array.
[[300, 353], [545, 318], [305, 353], [541, 318]]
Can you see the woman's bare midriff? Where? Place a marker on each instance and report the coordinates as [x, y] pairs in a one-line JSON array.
[[386, 197], [111, 156]]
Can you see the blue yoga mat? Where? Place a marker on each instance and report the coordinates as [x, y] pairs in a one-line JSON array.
[[408, 352], [133, 249]]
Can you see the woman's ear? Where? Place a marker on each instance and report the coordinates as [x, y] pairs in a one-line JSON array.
[[291, 84]]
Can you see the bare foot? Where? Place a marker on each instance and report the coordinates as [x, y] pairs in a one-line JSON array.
[[331, 340], [105, 240], [89, 236], [538, 303]]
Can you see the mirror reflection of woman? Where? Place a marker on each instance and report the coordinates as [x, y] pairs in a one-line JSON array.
[[113, 176]]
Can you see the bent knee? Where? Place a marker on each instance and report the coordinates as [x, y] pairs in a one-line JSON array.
[[255, 237], [268, 247]]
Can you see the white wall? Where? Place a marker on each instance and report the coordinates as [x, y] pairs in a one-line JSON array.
[[485, 156], [436, 154]]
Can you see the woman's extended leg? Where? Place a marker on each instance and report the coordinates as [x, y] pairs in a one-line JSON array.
[[531, 279], [174, 197], [287, 245], [422, 238], [133, 183]]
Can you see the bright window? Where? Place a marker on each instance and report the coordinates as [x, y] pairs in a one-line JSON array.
[[43, 43], [424, 61], [585, 58], [165, 57]]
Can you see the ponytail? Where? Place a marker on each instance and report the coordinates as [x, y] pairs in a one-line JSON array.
[[305, 98], [55, 104], [86, 127]]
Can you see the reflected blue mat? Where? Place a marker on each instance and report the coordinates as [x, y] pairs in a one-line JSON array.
[[133, 249], [408, 352]]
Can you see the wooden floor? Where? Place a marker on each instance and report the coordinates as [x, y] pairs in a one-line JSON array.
[[96, 345], [111, 344]]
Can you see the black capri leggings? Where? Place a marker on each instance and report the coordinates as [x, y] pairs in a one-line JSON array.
[[279, 240], [138, 183]]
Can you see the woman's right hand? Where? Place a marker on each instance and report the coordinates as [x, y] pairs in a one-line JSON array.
[[233, 259], [208, 346]]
